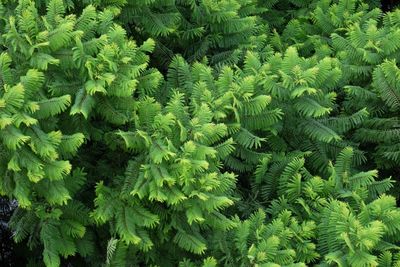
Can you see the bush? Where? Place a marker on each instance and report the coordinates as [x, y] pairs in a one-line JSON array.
[[201, 133]]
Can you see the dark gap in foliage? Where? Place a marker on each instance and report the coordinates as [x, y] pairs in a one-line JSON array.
[[10, 253], [388, 5]]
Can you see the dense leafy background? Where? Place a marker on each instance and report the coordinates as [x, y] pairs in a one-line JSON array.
[[200, 133]]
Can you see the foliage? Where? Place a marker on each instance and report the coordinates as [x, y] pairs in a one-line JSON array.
[[201, 133]]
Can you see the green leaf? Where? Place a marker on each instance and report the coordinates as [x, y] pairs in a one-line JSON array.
[[83, 104]]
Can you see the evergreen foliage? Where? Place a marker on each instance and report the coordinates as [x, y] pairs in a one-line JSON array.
[[201, 133]]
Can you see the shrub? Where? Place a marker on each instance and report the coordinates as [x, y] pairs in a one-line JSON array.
[[201, 133]]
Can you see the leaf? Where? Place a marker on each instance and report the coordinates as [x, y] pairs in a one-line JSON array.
[[126, 220], [50, 258], [189, 242], [93, 87], [53, 106], [41, 61], [57, 170], [148, 45], [71, 143], [13, 138], [84, 104], [14, 96]]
